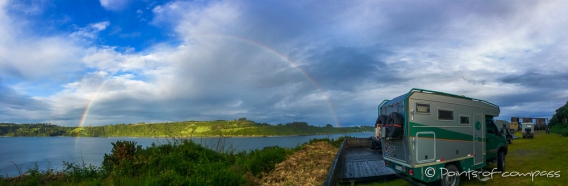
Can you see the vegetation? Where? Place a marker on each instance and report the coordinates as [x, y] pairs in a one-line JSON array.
[[38, 129], [231, 128], [183, 162], [559, 121], [546, 152]]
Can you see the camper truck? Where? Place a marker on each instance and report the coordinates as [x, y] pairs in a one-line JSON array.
[[514, 127], [427, 134], [504, 128], [528, 129]]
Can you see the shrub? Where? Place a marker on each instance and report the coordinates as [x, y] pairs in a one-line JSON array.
[[560, 128], [119, 162], [264, 160]]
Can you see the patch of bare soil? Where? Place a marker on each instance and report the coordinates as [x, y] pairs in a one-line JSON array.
[[308, 166]]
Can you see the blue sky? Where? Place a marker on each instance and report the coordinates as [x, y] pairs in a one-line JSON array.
[[273, 61]]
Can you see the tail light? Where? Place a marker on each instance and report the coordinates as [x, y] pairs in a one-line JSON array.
[[411, 172], [386, 163]]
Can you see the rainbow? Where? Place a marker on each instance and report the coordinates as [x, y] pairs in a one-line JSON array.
[[88, 108], [331, 109]]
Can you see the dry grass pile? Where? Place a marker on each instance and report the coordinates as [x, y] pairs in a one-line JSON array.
[[309, 166]]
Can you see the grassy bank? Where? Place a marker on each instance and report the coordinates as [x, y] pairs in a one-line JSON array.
[[546, 152], [183, 162]]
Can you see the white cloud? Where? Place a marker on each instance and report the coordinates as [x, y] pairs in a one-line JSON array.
[[89, 32], [29, 8], [114, 5], [31, 57]]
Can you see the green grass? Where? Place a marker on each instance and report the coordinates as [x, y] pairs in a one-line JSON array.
[[178, 162], [546, 152]]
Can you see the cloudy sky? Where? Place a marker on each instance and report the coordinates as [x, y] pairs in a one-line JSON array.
[[130, 61]]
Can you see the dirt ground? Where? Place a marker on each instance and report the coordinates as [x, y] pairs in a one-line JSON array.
[[308, 166]]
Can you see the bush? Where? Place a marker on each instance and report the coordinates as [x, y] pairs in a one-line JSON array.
[[560, 128], [120, 161], [264, 160]]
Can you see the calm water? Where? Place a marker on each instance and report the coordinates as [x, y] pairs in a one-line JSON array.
[[52, 151]]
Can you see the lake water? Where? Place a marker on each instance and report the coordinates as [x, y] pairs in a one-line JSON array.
[[52, 151]]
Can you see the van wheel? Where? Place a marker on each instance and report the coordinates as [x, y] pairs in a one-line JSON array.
[[451, 180], [501, 161]]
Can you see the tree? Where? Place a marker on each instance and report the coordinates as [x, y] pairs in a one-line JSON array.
[[561, 115], [328, 126]]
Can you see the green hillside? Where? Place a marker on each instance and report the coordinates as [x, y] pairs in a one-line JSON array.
[[230, 128]]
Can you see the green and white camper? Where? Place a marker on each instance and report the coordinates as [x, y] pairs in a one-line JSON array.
[[427, 134], [528, 129]]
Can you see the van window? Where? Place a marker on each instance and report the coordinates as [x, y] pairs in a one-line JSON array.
[[445, 114], [489, 129], [464, 120], [422, 108]]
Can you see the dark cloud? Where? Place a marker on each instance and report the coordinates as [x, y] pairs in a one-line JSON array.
[[537, 79], [344, 68], [20, 108], [7, 69], [12, 100]]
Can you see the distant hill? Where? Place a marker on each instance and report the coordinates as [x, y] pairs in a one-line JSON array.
[[228, 128]]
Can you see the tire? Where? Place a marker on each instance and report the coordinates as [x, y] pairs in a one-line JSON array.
[[451, 180], [395, 118], [501, 161]]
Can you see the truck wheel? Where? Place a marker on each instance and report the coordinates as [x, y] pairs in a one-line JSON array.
[[451, 180], [501, 161]]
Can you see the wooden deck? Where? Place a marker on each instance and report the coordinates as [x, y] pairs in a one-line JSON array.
[[363, 163], [356, 162]]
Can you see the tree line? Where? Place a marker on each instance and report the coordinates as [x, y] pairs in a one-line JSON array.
[[240, 127], [559, 121]]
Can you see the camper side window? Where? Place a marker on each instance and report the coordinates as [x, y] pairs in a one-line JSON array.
[[464, 120], [422, 108], [445, 114]]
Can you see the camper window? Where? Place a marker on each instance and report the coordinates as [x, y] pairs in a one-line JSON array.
[[422, 108], [464, 120], [445, 114]]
